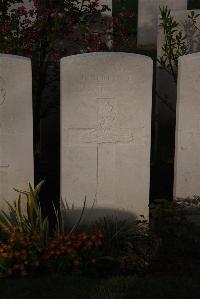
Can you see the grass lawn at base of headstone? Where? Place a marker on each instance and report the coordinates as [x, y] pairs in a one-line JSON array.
[[146, 287]]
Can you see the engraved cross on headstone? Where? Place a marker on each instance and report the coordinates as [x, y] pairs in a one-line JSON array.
[[106, 136]]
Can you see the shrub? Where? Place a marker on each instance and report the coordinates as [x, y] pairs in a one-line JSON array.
[[127, 247], [69, 252], [26, 245], [179, 237], [25, 254], [20, 252]]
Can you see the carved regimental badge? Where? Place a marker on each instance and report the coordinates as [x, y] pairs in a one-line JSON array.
[[2, 91]]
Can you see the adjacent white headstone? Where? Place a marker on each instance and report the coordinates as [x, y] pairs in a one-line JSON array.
[[165, 85], [16, 126], [148, 11], [106, 130], [187, 152]]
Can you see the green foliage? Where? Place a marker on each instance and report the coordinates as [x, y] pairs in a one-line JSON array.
[[29, 221], [127, 246], [27, 247], [178, 234], [62, 214], [175, 43]]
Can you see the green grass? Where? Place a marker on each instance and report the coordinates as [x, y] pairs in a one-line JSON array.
[[53, 287]]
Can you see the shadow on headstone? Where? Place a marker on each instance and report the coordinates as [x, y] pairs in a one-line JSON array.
[[91, 215]]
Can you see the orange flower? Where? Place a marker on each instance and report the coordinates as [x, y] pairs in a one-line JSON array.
[[93, 237], [23, 273], [16, 253], [76, 263], [21, 267], [93, 260], [69, 250], [16, 266], [88, 244], [98, 242], [35, 264]]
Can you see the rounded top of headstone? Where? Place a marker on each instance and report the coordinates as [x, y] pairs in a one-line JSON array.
[[101, 54], [10, 56], [189, 56]]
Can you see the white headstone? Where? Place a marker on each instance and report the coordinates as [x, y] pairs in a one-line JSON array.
[[187, 151], [148, 11], [16, 126], [106, 130]]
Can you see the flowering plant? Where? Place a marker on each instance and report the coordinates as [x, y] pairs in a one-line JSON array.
[[23, 254], [69, 252]]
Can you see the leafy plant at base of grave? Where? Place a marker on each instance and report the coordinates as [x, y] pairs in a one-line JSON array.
[[26, 247], [179, 249], [70, 253], [61, 215], [26, 216], [128, 247], [175, 43]]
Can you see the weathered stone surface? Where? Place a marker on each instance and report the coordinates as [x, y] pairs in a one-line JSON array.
[[16, 126], [148, 11], [105, 130], [187, 158]]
